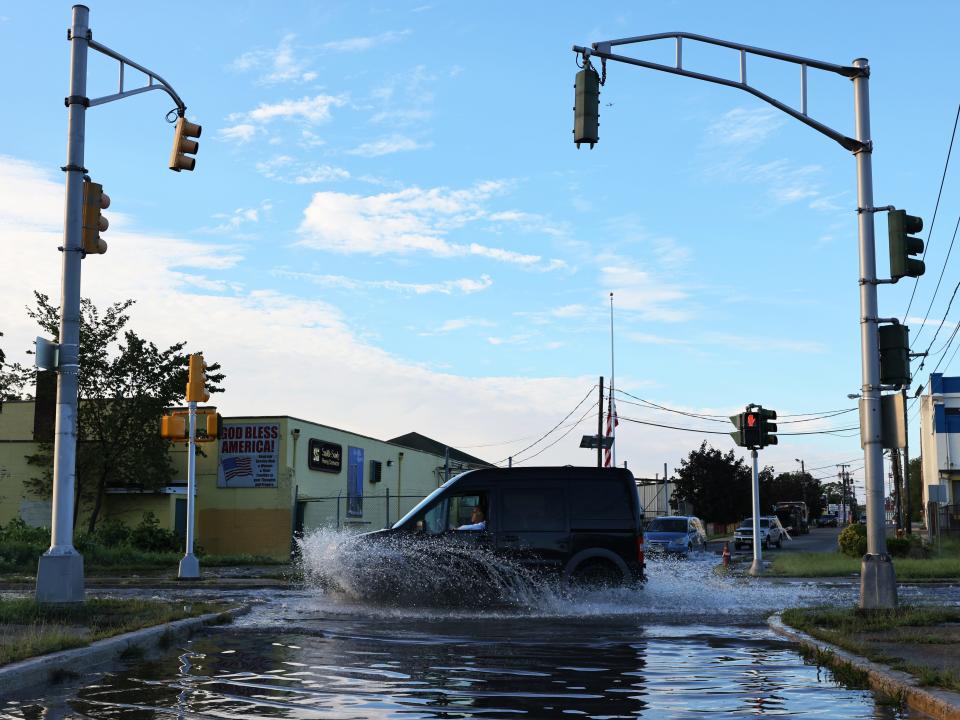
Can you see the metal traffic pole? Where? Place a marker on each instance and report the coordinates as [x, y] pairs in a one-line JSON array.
[[60, 569], [756, 568], [189, 565], [878, 585]]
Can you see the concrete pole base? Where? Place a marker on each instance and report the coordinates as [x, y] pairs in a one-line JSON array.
[[60, 578], [878, 583], [756, 568], [189, 567]]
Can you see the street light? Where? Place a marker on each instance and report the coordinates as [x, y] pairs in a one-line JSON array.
[[878, 587], [60, 569]]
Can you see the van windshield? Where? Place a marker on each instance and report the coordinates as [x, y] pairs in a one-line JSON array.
[[678, 525], [427, 500]]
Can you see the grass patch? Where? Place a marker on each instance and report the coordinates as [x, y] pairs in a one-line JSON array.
[[28, 629], [874, 634], [22, 557], [834, 563]]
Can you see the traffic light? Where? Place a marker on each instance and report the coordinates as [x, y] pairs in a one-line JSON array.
[[183, 146], [94, 200], [586, 108], [900, 226], [196, 382], [894, 354], [768, 428], [214, 424], [173, 427], [748, 429]]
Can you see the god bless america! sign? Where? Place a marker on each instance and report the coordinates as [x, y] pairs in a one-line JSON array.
[[248, 455]]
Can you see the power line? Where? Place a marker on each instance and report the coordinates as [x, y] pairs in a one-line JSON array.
[[936, 207], [939, 279], [551, 430], [590, 413], [720, 432]]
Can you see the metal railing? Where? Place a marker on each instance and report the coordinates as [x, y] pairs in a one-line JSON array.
[[370, 512]]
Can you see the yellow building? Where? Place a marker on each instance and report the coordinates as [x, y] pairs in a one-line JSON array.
[[262, 481]]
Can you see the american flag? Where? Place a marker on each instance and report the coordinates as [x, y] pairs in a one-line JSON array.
[[234, 467], [612, 423]]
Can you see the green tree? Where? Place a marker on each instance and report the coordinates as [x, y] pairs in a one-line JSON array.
[[14, 379], [916, 489], [124, 384], [716, 484], [792, 486]]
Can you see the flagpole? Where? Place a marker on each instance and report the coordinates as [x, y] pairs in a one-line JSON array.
[[613, 448]]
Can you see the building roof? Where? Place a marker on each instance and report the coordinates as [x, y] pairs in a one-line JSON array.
[[416, 441]]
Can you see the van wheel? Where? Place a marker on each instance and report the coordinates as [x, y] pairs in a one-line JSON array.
[[597, 574]]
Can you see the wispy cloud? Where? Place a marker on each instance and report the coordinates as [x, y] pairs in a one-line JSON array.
[[279, 64], [232, 222], [457, 324], [757, 344], [465, 286], [640, 291], [742, 126], [367, 42], [241, 133], [286, 169], [307, 110], [388, 146]]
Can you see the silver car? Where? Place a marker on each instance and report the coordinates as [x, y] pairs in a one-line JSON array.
[[771, 532]]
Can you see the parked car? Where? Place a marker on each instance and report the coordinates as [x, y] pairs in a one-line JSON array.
[[828, 520], [771, 533], [676, 535], [580, 523]]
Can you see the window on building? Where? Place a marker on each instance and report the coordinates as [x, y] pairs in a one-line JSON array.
[[354, 482]]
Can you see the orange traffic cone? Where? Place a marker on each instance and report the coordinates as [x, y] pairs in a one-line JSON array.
[[726, 554]]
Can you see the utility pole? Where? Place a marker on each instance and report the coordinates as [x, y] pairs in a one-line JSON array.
[[842, 475], [60, 569], [600, 428], [666, 500], [897, 484], [756, 567]]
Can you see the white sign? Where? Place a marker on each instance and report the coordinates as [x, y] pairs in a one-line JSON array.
[[248, 455]]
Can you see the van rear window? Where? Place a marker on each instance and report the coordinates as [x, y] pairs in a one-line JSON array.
[[593, 501]]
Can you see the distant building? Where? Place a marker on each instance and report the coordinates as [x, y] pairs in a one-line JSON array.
[[940, 440], [264, 480]]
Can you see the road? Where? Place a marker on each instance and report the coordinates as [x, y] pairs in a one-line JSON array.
[[817, 540]]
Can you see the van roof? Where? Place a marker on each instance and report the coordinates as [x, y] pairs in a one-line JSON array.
[[552, 471]]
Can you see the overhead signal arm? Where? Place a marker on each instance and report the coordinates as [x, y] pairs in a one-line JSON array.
[[154, 81], [603, 49]]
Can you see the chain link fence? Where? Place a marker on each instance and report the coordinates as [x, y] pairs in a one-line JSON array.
[[370, 512]]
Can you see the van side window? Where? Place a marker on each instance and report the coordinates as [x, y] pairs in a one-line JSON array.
[[599, 500], [532, 510]]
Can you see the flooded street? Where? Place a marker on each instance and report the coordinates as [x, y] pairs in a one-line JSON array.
[[688, 644]]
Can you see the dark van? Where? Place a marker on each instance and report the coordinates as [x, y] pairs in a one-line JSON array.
[[580, 523]]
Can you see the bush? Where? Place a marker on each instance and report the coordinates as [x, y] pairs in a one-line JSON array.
[[150, 537], [853, 540], [111, 533], [17, 531]]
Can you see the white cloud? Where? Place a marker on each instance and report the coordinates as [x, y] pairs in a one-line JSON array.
[[464, 286], [314, 109], [286, 169], [407, 221], [231, 222], [639, 291], [241, 133], [388, 146], [458, 324], [356, 44], [758, 344]]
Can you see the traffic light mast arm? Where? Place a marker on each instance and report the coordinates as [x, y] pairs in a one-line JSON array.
[[154, 81], [602, 51]]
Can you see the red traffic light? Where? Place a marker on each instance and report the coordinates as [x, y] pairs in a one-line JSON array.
[[751, 420]]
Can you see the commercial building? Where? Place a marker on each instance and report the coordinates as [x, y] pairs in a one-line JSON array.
[[940, 440], [264, 480]]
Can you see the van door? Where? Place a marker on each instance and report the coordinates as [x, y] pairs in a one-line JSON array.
[[461, 516], [532, 526]]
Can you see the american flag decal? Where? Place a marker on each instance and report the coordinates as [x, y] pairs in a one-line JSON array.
[[234, 467]]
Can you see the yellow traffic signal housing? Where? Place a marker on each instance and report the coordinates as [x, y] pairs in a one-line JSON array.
[[183, 146], [196, 382], [94, 201], [173, 427], [214, 421]]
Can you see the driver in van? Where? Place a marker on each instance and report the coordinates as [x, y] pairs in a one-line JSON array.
[[478, 520]]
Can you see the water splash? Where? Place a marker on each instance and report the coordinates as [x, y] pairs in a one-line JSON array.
[[401, 576]]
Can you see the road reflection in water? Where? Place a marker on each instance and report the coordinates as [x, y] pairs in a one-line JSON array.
[[688, 645]]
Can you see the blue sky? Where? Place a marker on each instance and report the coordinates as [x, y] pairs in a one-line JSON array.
[[390, 229]]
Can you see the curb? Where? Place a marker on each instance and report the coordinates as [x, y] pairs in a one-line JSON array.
[[939, 704], [37, 670]]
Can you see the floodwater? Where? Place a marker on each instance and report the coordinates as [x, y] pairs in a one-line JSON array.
[[689, 644]]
